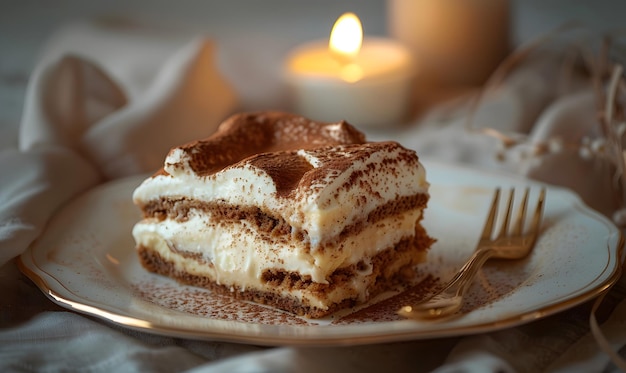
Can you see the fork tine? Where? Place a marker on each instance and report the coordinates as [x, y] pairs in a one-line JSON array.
[[536, 222], [521, 214], [450, 299], [507, 215], [491, 218]]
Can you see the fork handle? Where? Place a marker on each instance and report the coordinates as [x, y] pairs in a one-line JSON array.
[[463, 279], [450, 299]]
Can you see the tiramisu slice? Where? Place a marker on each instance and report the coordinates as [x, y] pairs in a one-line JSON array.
[[277, 209]]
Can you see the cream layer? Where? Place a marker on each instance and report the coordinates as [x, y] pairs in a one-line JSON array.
[[236, 256], [241, 254], [337, 199]]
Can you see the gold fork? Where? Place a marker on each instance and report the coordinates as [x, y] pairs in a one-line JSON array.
[[506, 245]]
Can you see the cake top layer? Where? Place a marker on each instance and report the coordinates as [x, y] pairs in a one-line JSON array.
[[244, 135], [318, 177]]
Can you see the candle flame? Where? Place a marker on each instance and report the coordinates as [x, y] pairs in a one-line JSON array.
[[346, 37]]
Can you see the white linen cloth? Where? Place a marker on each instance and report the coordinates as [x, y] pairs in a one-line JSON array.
[[102, 105], [87, 121]]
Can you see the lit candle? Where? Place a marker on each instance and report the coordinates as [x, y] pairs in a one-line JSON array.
[[366, 81]]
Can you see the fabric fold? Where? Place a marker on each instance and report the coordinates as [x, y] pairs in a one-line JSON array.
[[34, 185], [187, 100], [80, 127], [65, 98]]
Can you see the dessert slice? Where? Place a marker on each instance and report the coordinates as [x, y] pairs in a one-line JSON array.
[[277, 209]]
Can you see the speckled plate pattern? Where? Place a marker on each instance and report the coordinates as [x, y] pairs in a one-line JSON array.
[[85, 261]]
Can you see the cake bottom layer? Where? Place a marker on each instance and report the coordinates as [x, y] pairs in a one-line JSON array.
[[388, 269]]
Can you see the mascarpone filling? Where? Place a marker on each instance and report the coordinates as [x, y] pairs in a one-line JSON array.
[[334, 201], [240, 254]]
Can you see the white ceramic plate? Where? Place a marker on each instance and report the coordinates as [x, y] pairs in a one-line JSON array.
[[85, 261]]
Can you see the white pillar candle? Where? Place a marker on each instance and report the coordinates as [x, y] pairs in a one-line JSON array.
[[367, 85], [457, 42]]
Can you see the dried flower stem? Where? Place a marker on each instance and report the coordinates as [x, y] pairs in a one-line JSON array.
[[607, 81], [609, 126]]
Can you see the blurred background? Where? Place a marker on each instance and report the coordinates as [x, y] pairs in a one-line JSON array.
[[256, 34]]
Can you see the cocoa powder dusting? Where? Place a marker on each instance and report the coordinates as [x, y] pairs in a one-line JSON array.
[[247, 134]]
